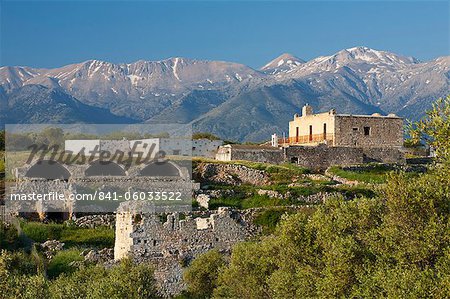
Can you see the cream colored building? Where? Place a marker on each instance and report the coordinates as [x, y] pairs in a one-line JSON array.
[[366, 131]]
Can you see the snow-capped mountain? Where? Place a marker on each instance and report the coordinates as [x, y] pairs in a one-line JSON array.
[[362, 59], [230, 99], [282, 64], [149, 86]]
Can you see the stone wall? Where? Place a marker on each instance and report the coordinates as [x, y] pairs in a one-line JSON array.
[[78, 194], [172, 244], [265, 154], [230, 174], [94, 221], [345, 129], [321, 157], [384, 155], [113, 146], [171, 146], [418, 151], [318, 157], [205, 147], [383, 131]]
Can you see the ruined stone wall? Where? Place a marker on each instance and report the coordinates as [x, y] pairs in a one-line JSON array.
[[123, 240], [230, 174], [384, 131], [99, 194], [56, 192], [172, 244]]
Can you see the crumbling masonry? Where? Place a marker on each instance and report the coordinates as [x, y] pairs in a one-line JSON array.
[[172, 244]]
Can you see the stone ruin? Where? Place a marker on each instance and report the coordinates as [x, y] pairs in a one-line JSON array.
[[71, 180], [169, 245]]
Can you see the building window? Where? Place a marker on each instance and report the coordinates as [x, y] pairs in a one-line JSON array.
[[310, 133], [366, 131], [296, 135], [324, 131]]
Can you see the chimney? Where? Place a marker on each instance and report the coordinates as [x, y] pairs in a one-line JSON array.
[[307, 110]]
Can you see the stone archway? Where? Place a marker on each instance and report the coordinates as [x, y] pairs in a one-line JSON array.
[[104, 168], [47, 169], [165, 168]]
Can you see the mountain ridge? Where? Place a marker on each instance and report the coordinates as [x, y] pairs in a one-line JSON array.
[[203, 93]]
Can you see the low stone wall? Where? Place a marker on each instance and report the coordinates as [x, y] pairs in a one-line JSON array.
[[229, 174], [274, 156], [317, 157], [93, 221], [384, 155], [255, 153], [418, 151], [321, 157]]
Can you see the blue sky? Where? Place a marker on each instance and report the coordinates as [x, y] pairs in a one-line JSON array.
[[51, 34]]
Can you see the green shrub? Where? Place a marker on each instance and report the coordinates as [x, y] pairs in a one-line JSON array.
[[269, 219], [16, 263], [2, 164], [20, 280], [257, 201], [201, 275], [394, 245], [125, 280], [202, 135], [60, 263], [9, 239]]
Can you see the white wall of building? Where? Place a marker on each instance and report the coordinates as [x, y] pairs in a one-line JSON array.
[[171, 146], [77, 145], [205, 147]]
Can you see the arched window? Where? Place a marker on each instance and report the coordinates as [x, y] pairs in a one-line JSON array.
[[160, 169], [48, 169], [104, 168]]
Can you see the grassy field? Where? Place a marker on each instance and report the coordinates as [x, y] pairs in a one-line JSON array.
[[246, 196], [279, 173], [76, 240], [373, 174], [71, 236]]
